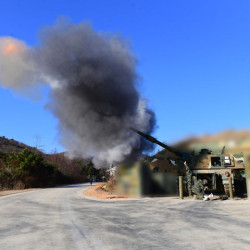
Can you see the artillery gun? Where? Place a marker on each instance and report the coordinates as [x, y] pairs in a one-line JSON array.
[[213, 169]]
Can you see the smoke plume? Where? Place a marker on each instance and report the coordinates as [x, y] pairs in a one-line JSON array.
[[93, 93], [17, 68]]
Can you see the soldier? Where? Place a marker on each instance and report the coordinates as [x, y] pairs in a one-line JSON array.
[[189, 179], [198, 189]]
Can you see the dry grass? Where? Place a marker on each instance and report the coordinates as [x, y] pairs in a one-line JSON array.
[[97, 191], [110, 186]]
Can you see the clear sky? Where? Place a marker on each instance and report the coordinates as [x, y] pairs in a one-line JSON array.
[[193, 59]]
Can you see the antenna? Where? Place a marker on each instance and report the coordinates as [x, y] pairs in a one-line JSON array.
[[223, 150]]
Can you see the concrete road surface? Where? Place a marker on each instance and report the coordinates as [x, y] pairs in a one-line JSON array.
[[61, 218]]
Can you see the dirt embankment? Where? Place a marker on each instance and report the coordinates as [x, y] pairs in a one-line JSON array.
[[96, 191]]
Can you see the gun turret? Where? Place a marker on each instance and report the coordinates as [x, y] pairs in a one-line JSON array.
[[150, 138]]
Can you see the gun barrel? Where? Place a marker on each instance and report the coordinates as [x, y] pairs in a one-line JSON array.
[[154, 140]]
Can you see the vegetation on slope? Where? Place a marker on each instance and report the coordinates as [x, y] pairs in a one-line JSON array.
[[27, 169]]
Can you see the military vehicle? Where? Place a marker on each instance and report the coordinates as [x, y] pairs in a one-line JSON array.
[[213, 169]]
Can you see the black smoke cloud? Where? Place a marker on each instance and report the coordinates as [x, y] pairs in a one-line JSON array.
[[94, 92]]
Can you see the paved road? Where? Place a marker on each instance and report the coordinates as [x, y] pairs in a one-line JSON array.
[[61, 218]]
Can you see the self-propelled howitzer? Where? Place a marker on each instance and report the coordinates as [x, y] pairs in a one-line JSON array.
[[213, 168]]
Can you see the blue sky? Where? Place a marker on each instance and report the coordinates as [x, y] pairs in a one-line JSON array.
[[193, 59]]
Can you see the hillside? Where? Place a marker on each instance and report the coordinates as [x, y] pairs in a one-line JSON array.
[[13, 146], [22, 166], [232, 139], [25, 166]]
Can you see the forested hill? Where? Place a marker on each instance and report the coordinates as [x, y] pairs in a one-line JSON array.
[[22, 166]]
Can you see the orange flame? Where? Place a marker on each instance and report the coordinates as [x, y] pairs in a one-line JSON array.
[[11, 48]]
